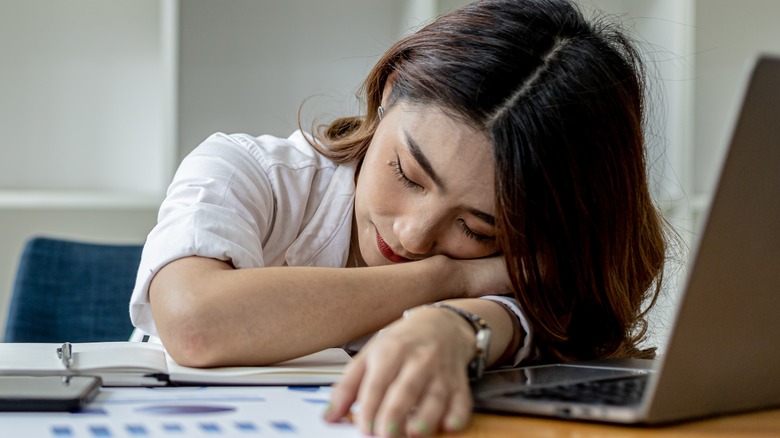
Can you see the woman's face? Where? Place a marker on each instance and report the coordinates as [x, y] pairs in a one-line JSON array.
[[425, 187]]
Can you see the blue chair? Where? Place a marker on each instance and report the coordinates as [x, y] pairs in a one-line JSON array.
[[72, 291]]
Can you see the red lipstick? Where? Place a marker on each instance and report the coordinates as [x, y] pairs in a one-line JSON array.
[[388, 253]]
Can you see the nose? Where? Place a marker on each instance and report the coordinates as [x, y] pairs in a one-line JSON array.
[[416, 233]]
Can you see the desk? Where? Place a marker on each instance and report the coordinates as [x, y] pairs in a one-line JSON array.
[[757, 424]]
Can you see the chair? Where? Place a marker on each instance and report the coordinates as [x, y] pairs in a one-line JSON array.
[[72, 291]]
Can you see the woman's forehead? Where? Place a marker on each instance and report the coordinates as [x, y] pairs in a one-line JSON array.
[[461, 155], [438, 132]]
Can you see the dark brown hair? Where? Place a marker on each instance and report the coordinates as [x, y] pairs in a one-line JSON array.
[[561, 99]]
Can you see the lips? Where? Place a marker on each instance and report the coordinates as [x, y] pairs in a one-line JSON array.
[[388, 253]]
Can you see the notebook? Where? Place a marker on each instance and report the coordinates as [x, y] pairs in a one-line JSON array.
[[147, 364], [723, 353]]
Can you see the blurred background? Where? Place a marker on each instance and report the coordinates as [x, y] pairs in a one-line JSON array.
[[100, 100]]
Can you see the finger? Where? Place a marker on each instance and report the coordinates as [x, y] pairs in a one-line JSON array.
[[430, 409], [380, 373], [458, 412], [400, 398], [345, 391]]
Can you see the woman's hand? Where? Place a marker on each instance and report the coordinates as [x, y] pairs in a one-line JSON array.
[[410, 379]]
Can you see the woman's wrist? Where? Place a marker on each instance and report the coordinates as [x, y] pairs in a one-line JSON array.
[[451, 277], [467, 278], [448, 326], [444, 278], [478, 329]]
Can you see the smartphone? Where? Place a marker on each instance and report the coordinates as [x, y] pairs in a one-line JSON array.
[[47, 393]]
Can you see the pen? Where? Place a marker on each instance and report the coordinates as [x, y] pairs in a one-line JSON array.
[[66, 354]]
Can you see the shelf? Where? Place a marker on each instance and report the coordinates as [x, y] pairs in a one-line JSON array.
[[78, 200]]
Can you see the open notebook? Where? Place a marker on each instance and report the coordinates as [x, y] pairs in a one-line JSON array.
[[147, 364]]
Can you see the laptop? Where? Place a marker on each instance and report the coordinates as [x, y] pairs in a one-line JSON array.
[[723, 352]]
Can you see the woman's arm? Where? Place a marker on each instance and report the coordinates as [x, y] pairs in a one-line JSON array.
[[412, 377], [209, 314]]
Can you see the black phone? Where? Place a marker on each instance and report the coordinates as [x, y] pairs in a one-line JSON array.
[[47, 393]]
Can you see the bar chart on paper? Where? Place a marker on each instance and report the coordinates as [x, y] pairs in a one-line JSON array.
[[188, 412]]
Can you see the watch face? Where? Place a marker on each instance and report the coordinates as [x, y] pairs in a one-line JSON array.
[[480, 357]]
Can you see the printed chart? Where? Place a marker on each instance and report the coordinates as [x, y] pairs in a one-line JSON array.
[[187, 412]]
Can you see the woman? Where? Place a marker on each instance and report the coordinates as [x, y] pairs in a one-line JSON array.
[[498, 173]]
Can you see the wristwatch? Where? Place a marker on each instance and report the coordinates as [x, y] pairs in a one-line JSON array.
[[481, 330]]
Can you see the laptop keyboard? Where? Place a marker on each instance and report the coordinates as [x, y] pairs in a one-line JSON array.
[[624, 391]]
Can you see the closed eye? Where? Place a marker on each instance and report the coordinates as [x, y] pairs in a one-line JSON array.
[[482, 239], [399, 172]]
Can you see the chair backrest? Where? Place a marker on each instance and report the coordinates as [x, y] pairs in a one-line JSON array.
[[72, 291]]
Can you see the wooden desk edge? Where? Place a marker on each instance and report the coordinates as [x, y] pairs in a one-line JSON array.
[[754, 424]]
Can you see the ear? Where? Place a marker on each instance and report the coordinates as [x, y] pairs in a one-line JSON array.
[[388, 88]]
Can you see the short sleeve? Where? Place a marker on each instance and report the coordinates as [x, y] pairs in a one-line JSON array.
[[220, 205], [526, 350]]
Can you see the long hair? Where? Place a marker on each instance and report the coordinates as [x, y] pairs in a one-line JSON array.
[[561, 99]]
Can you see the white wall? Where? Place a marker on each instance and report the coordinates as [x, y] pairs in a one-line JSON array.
[[729, 36], [249, 67], [79, 102]]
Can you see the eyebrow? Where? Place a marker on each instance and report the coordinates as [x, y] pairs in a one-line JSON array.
[[422, 161], [484, 216], [426, 166]]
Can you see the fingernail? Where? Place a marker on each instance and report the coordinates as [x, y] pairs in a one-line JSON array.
[[422, 428], [454, 424], [369, 430], [392, 428], [328, 410]]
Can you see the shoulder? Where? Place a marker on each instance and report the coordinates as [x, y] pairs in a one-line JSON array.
[[249, 166], [267, 151]]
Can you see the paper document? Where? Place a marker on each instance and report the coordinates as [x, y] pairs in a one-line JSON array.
[[188, 412]]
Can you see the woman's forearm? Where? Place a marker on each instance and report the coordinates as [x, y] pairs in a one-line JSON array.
[[209, 314]]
